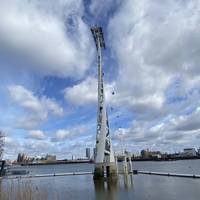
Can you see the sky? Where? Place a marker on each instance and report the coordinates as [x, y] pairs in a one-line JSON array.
[[48, 73]]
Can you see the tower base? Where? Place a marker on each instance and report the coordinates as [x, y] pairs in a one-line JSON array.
[[105, 170]]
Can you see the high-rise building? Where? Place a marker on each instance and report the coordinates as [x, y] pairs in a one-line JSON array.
[[87, 153], [198, 151], [94, 153]]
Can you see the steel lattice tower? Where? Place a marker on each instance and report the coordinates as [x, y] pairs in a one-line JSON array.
[[104, 158]]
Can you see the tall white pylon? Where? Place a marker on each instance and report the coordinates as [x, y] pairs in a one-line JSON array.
[[104, 157]]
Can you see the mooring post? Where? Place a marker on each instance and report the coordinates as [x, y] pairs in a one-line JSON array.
[[130, 165]]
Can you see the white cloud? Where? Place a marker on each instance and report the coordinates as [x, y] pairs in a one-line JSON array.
[[156, 47], [52, 106], [155, 43], [170, 134], [37, 108], [50, 36], [101, 9], [37, 134], [33, 147], [188, 122], [85, 92], [64, 134], [82, 93]]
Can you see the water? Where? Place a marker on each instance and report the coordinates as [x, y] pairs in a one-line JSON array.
[[181, 166], [141, 187]]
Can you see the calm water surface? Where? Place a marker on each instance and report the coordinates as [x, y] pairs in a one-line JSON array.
[[138, 187]]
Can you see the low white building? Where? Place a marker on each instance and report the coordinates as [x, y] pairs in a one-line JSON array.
[[190, 152]]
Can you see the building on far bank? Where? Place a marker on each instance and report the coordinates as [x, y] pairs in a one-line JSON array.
[[198, 151], [146, 154], [189, 152], [23, 158], [94, 153], [88, 153], [50, 157]]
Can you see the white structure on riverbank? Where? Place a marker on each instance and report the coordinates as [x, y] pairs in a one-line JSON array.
[[189, 152], [104, 158]]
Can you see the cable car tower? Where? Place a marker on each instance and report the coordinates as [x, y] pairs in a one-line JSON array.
[[104, 158]]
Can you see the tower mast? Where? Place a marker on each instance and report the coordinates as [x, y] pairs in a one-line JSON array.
[[104, 157]]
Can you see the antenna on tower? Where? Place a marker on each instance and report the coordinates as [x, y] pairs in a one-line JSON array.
[[98, 34]]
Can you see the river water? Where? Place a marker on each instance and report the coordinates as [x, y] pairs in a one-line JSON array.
[[138, 187]]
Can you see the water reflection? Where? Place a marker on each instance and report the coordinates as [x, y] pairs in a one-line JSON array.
[[127, 181], [108, 189]]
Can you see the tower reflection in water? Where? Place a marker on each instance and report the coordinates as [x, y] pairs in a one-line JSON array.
[[109, 189]]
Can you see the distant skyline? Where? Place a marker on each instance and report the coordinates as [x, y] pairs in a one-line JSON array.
[[48, 75]]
